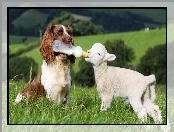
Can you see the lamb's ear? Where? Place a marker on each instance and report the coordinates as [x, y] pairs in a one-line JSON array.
[[109, 57]]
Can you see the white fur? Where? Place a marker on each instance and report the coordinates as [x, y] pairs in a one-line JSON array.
[[56, 80], [120, 82], [64, 30], [19, 97]]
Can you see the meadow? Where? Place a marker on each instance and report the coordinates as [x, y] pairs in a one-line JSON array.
[[85, 102], [84, 109], [140, 41]]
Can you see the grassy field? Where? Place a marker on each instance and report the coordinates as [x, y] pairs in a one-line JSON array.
[[17, 40], [84, 109], [140, 41]]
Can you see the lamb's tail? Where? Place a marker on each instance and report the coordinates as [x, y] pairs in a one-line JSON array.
[[151, 81]]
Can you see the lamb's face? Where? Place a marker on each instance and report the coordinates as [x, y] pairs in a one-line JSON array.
[[98, 54]]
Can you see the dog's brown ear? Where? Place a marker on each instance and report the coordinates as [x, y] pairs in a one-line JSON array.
[[46, 50], [51, 28], [70, 28], [70, 32]]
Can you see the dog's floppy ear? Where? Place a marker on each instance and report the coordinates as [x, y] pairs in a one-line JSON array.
[[70, 28], [46, 45], [70, 32], [51, 28]]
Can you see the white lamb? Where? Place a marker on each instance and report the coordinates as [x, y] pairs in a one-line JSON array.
[[120, 82]]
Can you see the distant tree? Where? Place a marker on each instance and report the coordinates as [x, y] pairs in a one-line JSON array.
[[19, 68], [110, 20], [24, 39], [49, 18], [85, 76], [124, 54], [88, 28], [154, 62], [80, 27], [18, 30], [65, 18]]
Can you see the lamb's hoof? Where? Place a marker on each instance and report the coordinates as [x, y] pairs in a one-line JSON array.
[[103, 109], [159, 120], [142, 116]]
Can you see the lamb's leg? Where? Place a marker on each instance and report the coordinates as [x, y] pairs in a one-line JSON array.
[[146, 94], [153, 110], [138, 107], [151, 81], [153, 94], [106, 101]]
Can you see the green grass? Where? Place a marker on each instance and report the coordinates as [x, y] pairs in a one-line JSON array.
[[140, 41], [84, 109], [18, 40], [16, 47], [35, 55]]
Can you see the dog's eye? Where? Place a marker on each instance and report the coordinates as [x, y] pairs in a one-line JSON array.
[[99, 54]]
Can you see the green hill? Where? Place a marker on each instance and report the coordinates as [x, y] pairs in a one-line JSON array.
[[155, 15], [140, 41], [31, 18], [112, 20]]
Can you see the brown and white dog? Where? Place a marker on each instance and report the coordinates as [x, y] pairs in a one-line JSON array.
[[53, 80]]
